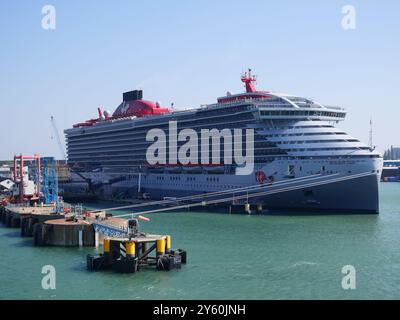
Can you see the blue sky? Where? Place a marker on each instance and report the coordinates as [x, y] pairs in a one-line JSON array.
[[189, 53]]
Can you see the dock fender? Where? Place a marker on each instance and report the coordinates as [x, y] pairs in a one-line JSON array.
[[23, 226], [8, 219], [37, 234], [31, 223], [182, 253], [46, 230]]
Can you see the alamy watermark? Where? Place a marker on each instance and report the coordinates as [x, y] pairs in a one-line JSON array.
[[195, 149], [349, 19], [49, 280], [49, 17], [349, 280]]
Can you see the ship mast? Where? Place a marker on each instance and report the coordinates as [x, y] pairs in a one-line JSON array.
[[248, 79], [370, 133]]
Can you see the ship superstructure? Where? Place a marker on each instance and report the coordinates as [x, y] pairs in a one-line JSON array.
[[295, 139]]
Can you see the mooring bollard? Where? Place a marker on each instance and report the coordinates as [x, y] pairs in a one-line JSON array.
[[130, 249], [160, 247], [168, 244]]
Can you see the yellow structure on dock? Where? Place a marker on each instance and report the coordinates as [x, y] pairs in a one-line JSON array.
[[128, 255]]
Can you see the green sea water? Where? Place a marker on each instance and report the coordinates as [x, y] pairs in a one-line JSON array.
[[229, 257]]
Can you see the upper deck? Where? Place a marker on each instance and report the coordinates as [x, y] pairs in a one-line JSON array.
[[265, 105]]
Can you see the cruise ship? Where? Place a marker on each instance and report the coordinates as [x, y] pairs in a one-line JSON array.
[[302, 161]]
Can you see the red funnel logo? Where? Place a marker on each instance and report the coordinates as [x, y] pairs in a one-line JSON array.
[[261, 177]]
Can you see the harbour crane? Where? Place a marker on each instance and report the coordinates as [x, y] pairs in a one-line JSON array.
[[60, 146]]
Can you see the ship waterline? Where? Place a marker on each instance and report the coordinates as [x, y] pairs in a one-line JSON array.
[[302, 161]]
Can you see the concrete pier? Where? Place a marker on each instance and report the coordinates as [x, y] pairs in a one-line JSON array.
[[63, 233], [28, 221], [49, 228], [126, 249], [72, 232], [12, 214]]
